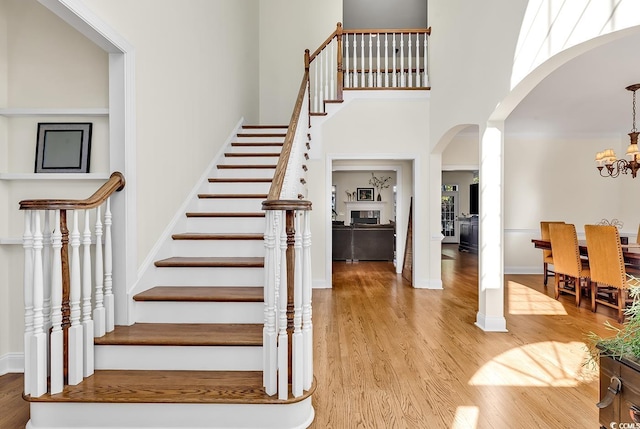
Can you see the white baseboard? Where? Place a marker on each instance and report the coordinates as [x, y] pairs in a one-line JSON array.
[[491, 324], [428, 284], [11, 362], [320, 284], [523, 270]]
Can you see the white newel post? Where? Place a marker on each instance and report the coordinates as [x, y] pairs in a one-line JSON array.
[[307, 326], [57, 345], [87, 321], [75, 354], [425, 79], [99, 318], [297, 357], [270, 344], [108, 270], [27, 244]]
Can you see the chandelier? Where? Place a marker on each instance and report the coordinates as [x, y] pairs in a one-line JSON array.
[[607, 158]]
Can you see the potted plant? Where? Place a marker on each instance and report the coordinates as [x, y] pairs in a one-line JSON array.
[[379, 183], [619, 359]]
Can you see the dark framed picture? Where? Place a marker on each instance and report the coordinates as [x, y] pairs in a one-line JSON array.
[[63, 147], [364, 194]]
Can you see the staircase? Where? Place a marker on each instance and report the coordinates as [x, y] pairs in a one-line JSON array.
[[194, 359]]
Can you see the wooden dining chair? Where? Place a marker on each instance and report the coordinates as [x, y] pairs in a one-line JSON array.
[[609, 284], [572, 273], [547, 255]]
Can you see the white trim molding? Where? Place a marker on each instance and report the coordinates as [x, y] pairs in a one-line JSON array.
[[11, 362], [491, 324]]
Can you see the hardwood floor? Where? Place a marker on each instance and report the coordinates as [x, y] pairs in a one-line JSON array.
[[390, 356]]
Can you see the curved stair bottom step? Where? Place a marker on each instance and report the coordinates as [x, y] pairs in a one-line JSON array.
[[51, 415]]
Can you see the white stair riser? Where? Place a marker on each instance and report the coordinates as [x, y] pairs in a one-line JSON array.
[[238, 188], [259, 139], [220, 248], [274, 130], [199, 312], [226, 224], [191, 358], [83, 415], [233, 205], [217, 276], [255, 149], [250, 160], [246, 172]]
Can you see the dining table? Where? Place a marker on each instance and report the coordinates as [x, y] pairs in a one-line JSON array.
[[630, 251]]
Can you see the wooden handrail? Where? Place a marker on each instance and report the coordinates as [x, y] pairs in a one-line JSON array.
[[115, 183], [387, 30], [283, 161], [323, 45]]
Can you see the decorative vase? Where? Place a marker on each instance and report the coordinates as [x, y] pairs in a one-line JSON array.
[[379, 197]]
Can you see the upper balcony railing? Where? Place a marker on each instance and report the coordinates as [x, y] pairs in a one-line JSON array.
[[369, 59]]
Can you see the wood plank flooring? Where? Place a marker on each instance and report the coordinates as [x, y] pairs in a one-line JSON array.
[[390, 356]]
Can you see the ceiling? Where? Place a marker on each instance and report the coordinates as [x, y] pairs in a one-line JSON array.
[[584, 96]]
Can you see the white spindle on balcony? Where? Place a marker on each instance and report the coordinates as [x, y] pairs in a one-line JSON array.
[[347, 71], [425, 78], [409, 70], [394, 82]]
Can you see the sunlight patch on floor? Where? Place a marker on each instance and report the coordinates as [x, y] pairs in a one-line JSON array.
[[526, 301], [466, 418], [543, 364]]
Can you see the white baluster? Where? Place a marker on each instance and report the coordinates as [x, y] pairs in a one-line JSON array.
[[87, 321], [57, 347], [410, 73], [370, 84], [402, 77], [109, 307], [386, 60], [269, 340], [46, 270], [307, 326], [27, 244], [418, 75], [297, 364], [320, 58], [347, 72], [283, 340], [395, 72], [355, 61], [332, 71], [315, 86], [38, 352], [99, 319], [362, 63], [425, 79], [326, 61], [378, 76], [75, 353]]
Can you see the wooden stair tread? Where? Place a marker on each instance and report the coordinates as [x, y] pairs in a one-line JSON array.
[[201, 387], [185, 334], [202, 294], [250, 144], [261, 196], [210, 262], [209, 236], [240, 180], [225, 214], [253, 166]]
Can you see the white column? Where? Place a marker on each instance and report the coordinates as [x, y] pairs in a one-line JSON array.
[[490, 315], [87, 321], [75, 353], [269, 341]]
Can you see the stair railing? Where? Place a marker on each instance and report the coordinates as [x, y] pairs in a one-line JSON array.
[[288, 330], [368, 59], [68, 299]]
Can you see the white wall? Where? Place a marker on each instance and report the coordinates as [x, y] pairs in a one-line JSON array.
[[287, 28]]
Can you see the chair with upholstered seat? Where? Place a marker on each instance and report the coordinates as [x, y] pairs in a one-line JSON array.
[[609, 284], [547, 255], [572, 273]]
